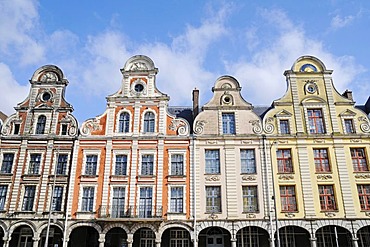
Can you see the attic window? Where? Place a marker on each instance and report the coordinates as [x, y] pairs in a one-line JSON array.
[[46, 96], [227, 99], [308, 68]]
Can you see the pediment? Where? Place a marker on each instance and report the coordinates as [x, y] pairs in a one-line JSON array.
[[347, 113], [283, 113], [313, 100]]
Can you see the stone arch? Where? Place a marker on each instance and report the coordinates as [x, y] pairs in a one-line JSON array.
[[297, 223], [20, 223], [341, 223], [3, 226], [47, 68], [242, 224], [138, 226], [79, 224], [114, 225], [139, 63], [45, 225], [220, 224], [172, 225], [360, 224]]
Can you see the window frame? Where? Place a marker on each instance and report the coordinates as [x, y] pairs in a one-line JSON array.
[[116, 202], [313, 122], [286, 129], [352, 127], [176, 204], [3, 196], [147, 209], [320, 160], [40, 125], [284, 163], [363, 191], [34, 168], [87, 199], [228, 120], [250, 200], [248, 164], [57, 201], [213, 197], [288, 198], [123, 124], [212, 164], [6, 166], [87, 153], [327, 199], [359, 163], [30, 198], [149, 123]]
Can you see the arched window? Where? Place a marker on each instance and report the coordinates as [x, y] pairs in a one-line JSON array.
[[40, 127], [124, 122], [149, 122]]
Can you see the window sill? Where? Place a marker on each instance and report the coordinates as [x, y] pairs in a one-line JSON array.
[[6, 174]]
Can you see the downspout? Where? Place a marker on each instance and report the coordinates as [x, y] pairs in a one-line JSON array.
[[194, 196], [268, 192]]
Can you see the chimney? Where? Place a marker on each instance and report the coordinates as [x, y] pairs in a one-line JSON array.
[[348, 94], [195, 102]]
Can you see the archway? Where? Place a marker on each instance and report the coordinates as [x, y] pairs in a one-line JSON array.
[[176, 237], [363, 236], [144, 237], [116, 237], [291, 236], [333, 236], [1, 236], [55, 237], [22, 237], [214, 237], [252, 236], [84, 236]]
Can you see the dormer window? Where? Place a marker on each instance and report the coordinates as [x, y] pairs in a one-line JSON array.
[[315, 121], [40, 126], [149, 122], [228, 123]]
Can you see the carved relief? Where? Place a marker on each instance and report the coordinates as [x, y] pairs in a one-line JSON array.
[[355, 140], [324, 176], [89, 126], [362, 176], [72, 130], [290, 215], [269, 127], [286, 177], [249, 178], [7, 126], [250, 216], [212, 178], [180, 126], [365, 126], [256, 126], [367, 214], [330, 214], [138, 66], [199, 127], [319, 140]]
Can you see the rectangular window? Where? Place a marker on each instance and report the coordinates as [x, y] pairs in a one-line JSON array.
[[57, 199], [64, 129], [118, 204], [28, 198], [212, 161], [16, 129], [284, 126], [147, 164], [288, 199], [34, 165], [349, 127], [364, 196], [91, 164], [177, 195], [6, 166], [321, 160], [179, 238], [247, 161], [88, 199], [147, 238], [250, 199], [121, 165], [359, 161], [62, 164], [315, 121], [145, 205], [284, 160], [3, 191], [213, 199], [327, 198], [177, 164], [228, 123]]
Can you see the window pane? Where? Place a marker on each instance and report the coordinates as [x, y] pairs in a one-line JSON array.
[[228, 123], [212, 161], [247, 161], [3, 192], [121, 165], [149, 122], [284, 127], [147, 164], [315, 121], [91, 164], [124, 122], [34, 165], [6, 166], [250, 199], [288, 198], [284, 160], [213, 199], [321, 160], [28, 198], [62, 164], [177, 164], [359, 161], [176, 200]]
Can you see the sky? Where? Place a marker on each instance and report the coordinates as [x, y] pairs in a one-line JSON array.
[[191, 42]]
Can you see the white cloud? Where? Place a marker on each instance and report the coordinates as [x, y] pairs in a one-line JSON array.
[[11, 91], [339, 22], [261, 75]]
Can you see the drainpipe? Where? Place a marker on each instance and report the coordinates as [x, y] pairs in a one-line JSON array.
[[272, 244], [195, 243]]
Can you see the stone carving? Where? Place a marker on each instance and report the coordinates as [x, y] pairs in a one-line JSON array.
[[324, 176], [257, 129], [250, 216], [330, 214], [362, 176], [199, 127], [180, 126], [249, 178], [367, 214], [138, 66], [212, 178], [365, 126], [286, 177], [72, 130], [7, 126], [355, 140], [269, 127], [319, 140], [290, 215], [89, 126]]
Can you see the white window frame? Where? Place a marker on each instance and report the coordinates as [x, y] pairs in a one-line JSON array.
[[42, 153], [120, 152], [112, 187], [183, 186], [155, 121], [150, 152], [50, 196], [47, 122], [174, 152], [220, 122], [8, 151], [85, 154], [82, 186], [56, 159], [23, 190], [6, 196], [154, 206], [351, 116], [124, 110], [319, 106]]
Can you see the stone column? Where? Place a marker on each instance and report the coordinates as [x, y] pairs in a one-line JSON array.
[[195, 242], [355, 241], [130, 239], [313, 242], [6, 242], [35, 241], [157, 243], [101, 240], [233, 242]]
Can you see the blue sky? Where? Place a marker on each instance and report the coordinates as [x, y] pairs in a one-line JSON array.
[[192, 43]]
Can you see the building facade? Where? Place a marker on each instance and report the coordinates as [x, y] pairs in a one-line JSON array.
[[143, 173]]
